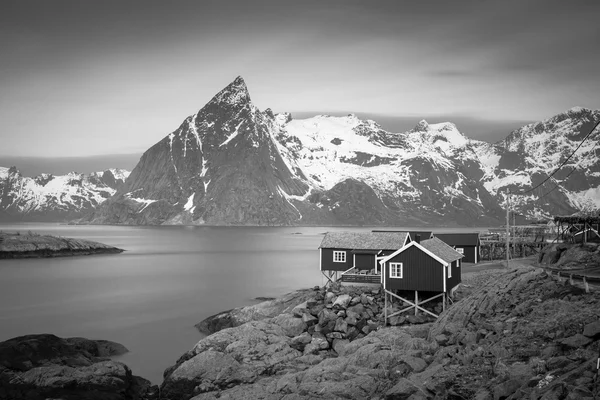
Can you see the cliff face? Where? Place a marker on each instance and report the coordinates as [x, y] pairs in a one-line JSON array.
[[522, 333]]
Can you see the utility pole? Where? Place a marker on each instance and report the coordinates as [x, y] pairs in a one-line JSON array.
[[507, 227]]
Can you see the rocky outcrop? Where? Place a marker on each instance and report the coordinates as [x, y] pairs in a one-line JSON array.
[[32, 245], [38, 367], [510, 334]]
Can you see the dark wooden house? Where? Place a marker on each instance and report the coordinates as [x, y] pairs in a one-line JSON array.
[[467, 244], [354, 256], [430, 269]]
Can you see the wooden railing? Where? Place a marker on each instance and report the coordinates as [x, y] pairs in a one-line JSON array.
[[361, 278]]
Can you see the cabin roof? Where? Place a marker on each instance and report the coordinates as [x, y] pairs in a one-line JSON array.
[[441, 249], [364, 240], [459, 239]]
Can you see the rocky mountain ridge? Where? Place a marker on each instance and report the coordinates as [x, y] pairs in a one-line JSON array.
[[48, 197], [231, 164]]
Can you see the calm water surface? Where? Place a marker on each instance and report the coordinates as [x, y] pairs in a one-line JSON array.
[[149, 297]]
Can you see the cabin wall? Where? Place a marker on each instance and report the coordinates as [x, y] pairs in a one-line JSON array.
[[364, 261], [327, 263], [420, 272], [470, 253], [456, 276]]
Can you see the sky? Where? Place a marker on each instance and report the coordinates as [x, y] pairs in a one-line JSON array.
[[105, 78]]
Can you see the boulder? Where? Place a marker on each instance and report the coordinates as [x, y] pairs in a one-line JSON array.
[[37, 367], [592, 330], [300, 309], [341, 326], [402, 390], [292, 326], [300, 341], [576, 341], [342, 301]]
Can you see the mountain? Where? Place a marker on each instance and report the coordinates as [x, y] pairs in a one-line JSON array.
[[47, 197], [231, 164]]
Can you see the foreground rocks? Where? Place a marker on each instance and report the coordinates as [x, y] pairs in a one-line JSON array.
[[45, 366], [517, 334], [32, 245]]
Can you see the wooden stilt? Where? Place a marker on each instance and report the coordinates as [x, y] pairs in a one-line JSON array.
[[385, 310], [416, 302], [444, 302], [413, 305]]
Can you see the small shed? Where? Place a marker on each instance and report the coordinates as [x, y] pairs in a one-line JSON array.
[[467, 244], [345, 252], [431, 267]]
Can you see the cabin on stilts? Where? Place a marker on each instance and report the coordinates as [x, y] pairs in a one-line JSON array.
[[418, 273], [352, 257]]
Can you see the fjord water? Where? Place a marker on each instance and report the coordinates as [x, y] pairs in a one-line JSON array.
[[149, 297]]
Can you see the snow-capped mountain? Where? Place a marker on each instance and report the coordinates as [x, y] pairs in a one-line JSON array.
[[230, 163], [47, 197]]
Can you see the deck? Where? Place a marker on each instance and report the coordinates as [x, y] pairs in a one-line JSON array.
[[355, 276]]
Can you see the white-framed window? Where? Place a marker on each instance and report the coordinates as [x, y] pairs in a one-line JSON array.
[[339, 256], [395, 270], [460, 250], [450, 270]]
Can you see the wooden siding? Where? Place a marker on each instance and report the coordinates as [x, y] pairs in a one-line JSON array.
[[420, 272], [456, 276], [364, 261], [469, 252], [327, 263]]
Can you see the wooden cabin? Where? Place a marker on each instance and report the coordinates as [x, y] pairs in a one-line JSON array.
[[353, 256], [431, 267], [467, 244]]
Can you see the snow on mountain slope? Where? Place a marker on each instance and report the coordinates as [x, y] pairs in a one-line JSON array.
[[232, 164], [50, 197]]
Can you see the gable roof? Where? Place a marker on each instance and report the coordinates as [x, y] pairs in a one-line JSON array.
[[441, 249], [417, 245], [459, 239], [364, 240]]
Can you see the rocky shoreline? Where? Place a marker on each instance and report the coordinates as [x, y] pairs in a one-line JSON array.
[[510, 334], [32, 245]]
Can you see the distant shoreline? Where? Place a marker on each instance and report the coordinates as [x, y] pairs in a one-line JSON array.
[[33, 245]]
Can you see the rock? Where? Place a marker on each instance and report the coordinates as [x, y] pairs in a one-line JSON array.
[[256, 312], [441, 339], [504, 389], [592, 330], [355, 300], [300, 341], [300, 309], [329, 296], [342, 301], [291, 325], [338, 345], [402, 390], [341, 326], [44, 366], [309, 319], [576, 341]]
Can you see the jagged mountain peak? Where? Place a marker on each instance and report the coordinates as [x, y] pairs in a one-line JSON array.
[[422, 126], [235, 93]]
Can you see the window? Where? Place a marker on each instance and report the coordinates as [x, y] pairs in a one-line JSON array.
[[339, 256], [460, 250], [395, 270]]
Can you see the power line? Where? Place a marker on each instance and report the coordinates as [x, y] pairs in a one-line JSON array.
[[563, 163]]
